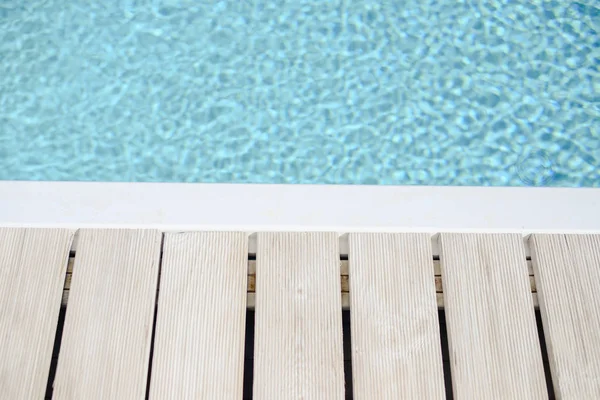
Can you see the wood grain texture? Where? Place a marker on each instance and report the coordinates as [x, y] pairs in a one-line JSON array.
[[567, 273], [492, 335], [108, 327], [298, 328], [396, 348], [199, 339], [33, 263], [343, 280]]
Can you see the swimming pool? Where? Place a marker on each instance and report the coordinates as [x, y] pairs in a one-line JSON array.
[[444, 92]]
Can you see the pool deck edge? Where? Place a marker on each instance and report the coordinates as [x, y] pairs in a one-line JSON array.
[[257, 207]]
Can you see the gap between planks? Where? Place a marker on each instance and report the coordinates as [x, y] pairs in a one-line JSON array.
[[344, 283]]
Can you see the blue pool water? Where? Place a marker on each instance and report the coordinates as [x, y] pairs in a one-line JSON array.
[[446, 92]]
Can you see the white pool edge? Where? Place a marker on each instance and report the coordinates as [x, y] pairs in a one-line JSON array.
[[182, 207]]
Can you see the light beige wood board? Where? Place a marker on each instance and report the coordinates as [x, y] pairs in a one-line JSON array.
[[33, 263], [492, 335], [108, 326], [298, 327], [200, 326], [396, 348], [567, 273], [343, 278]]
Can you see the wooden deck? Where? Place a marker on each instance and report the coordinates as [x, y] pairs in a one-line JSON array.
[[135, 314]]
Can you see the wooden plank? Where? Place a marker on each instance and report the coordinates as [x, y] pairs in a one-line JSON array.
[[33, 263], [251, 300], [344, 267], [345, 285], [298, 328], [344, 276], [108, 326], [396, 349], [200, 326], [436, 267], [492, 335], [567, 272]]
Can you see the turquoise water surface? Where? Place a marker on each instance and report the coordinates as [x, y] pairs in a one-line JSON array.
[[444, 92]]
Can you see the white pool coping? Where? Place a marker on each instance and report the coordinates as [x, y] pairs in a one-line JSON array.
[[176, 206]]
